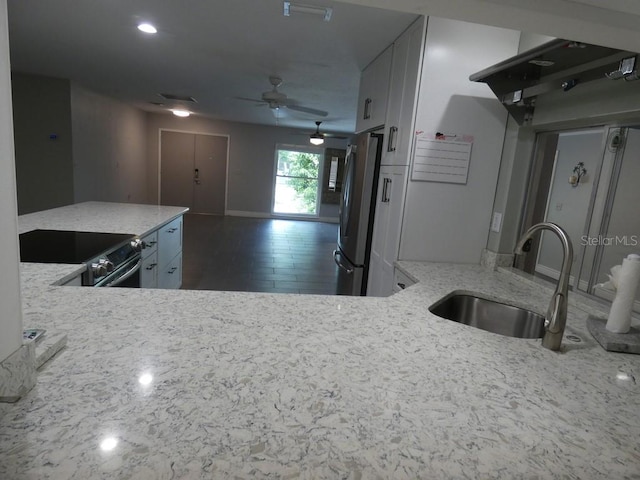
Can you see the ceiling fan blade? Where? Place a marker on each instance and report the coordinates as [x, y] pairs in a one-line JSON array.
[[339, 137], [311, 111], [251, 100]]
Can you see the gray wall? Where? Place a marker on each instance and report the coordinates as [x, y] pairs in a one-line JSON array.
[[568, 206], [109, 149], [44, 168], [106, 150], [251, 158]]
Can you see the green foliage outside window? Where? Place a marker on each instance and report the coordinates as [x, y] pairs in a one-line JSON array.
[[300, 169]]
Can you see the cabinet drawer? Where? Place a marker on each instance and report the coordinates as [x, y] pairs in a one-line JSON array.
[[169, 241], [170, 276], [150, 244], [149, 271]]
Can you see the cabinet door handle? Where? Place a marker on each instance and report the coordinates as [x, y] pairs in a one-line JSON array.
[[391, 145], [151, 266], [402, 285], [367, 109], [171, 230], [173, 269], [385, 190]]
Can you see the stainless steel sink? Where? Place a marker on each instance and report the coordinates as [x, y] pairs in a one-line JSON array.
[[489, 315]]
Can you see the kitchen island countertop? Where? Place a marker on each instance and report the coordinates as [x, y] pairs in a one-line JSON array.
[[200, 384]]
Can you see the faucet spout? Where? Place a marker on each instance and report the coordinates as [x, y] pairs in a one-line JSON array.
[[556, 317]]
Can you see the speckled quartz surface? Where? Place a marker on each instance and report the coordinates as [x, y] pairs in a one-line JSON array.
[[101, 217], [192, 384]]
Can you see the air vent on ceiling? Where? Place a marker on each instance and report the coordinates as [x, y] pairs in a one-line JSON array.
[[178, 98], [323, 13]]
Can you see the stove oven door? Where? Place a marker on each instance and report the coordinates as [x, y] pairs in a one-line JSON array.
[[128, 275]]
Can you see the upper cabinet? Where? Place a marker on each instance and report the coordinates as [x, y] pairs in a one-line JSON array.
[[374, 90], [405, 74]]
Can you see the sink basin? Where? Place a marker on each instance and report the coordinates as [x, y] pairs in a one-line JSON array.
[[489, 315]]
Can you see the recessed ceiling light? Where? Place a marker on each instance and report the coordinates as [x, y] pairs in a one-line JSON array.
[[178, 112], [147, 28]]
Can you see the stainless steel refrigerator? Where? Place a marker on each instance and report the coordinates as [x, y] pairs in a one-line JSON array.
[[357, 210]]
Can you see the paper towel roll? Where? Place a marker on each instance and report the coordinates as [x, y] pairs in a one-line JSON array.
[[629, 278]]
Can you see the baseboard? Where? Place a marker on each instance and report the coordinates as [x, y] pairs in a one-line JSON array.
[[241, 213]]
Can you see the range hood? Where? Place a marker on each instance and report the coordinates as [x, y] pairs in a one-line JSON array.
[[556, 65]]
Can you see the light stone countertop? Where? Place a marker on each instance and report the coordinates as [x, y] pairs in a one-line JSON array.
[[105, 217], [252, 385]]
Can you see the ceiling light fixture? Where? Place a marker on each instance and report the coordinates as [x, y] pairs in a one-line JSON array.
[[147, 28], [178, 112], [323, 12], [317, 138]]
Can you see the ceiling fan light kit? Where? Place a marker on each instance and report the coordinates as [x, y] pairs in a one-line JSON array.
[[179, 112], [317, 138]]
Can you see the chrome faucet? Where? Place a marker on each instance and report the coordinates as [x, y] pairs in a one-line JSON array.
[[556, 317]]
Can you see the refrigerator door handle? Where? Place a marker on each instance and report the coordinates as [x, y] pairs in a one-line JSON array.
[[336, 258]]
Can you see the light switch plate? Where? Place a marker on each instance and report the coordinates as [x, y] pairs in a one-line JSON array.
[[496, 222]]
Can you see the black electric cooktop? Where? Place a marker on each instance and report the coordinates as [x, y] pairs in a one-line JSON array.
[[60, 246]]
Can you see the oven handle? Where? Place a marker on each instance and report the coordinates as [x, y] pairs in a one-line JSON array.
[[124, 277]]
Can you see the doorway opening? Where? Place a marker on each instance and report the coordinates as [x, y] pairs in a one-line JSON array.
[[296, 185]]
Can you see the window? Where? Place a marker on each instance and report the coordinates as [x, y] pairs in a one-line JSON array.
[[296, 183]]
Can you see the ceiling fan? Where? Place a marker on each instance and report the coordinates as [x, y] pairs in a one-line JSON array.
[[317, 138], [277, 100]]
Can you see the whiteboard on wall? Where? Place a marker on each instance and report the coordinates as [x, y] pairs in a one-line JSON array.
[[445, 161]]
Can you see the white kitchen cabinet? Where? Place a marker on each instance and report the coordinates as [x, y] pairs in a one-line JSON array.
[[373, 93], [386, 229], [149, 266], [170, 276], [169, 254], [406, 68]]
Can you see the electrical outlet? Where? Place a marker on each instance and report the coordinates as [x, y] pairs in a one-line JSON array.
[[496, 222]]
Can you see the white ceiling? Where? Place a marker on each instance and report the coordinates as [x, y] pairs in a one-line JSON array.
[[217, 50], [213, 50]]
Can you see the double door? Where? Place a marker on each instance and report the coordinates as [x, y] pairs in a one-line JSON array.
[[193, 171]]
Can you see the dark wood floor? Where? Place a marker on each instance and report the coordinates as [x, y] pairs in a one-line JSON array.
[[258, 255]]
